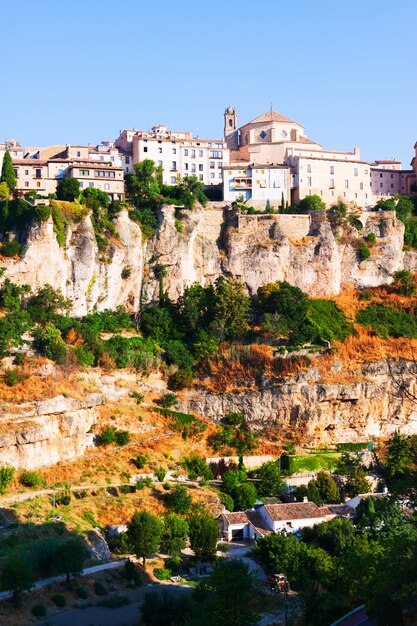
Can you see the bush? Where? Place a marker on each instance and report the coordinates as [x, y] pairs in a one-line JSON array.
[[222, 547], [387, 321], [162, 573], [59, 600], [227, 501], [39, 610], [31, 478], [6, 477], [11, 248], [100, 589], [312, 462], [160, 473], [63, 497], [82, 593], [196, 467], [115, 602], [11, 377], [168, 400], [178, 500], [144, 482], [107, 436], [182, 378], [122, 437], [140, 460], [364, 252], [371, 238]]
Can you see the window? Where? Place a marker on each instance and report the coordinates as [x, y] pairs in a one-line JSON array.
[[172, 180], [91, 184], [392, 175], [106, 186], [145, 149], [220, 164], [26, 172], [78, 154], [38, 183], [200, 168], [201, 177], [361, 186], [26, 183], [380, 176], [219, 145], [381, 184], [200, 153], [38, 173], [16, 172], [331, 183], [216, 154], [60, 174], [159, 163], [160, 150], [193, 167], [309, 181], [212, 174], [392, 185], [174, 165], [192, 154], [356, 195], [174, 151], [83, 172], [346, 184], [127, 159], [308, 168], [186, 166], [262, 171], [332, 169], [212, 165], [186, 152], [81, 184], [355, 171]]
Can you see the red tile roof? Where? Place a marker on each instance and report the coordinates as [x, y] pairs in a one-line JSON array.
[[271, 116], [296, 510]]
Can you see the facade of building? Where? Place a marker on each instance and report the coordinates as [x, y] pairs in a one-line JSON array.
[[41, 169], [177, 152], [272, 518], [273, 140], [257, 183]]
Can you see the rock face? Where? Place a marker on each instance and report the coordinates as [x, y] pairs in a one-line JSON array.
[[315, 412], [200, 245], [36, 434], [79, 270]]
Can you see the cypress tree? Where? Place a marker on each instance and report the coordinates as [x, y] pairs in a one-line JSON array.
[[7, 172]]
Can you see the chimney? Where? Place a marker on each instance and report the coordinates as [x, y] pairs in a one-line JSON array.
[[305, 499]]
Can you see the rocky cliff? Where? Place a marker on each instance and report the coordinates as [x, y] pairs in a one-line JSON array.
[[83, 275], [200, 245], [305, 408]]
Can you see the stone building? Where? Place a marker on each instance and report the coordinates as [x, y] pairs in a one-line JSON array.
[[177, 152]]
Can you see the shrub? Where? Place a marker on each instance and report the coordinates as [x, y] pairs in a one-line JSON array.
[[11, 248], [139, 397], [126, 272], [160, 473], [115, 602], [371, 238], [182, 378], [364, 252], [168, 400], [387, 321], [59, 600], [11, 377], [222, 547], [122, 437], [82, 592], [6, 477], [100, 589], [140, 460], [227, 501], [63, 497], [39, 610], [107, 436], [162, 573], [178, 499], [196, 467], [31, 478], [144, 482]]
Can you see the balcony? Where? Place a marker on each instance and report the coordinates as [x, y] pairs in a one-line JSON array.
[[243, 183]]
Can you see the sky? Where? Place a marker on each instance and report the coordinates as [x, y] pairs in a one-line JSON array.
[[78, 72]]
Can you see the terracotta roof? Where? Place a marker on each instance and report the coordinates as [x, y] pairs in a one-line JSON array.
[[257, 521], [239, 517], [324, 510], [342, 509], [296, 510], [271, 116], [387, 161]]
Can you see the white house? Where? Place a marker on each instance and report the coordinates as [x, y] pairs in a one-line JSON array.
[[257, 183], [272, 518]]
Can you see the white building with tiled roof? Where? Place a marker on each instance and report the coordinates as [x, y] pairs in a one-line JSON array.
[[272, 518]]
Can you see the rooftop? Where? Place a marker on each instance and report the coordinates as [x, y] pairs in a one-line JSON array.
[[271, 116], [295, 510]]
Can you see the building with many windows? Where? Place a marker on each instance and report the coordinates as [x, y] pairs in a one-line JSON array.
[[273, 140], [177, 152]]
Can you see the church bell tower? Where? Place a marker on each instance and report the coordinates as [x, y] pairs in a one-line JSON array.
[[231, 133]]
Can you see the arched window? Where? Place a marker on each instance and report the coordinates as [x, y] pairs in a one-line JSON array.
[[230, 122]]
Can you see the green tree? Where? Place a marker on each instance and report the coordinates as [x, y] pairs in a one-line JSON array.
[[231, 594], [399, 456], [311, 203], [7, 172], [179, 500], [363, 252], [245, 496], [95, 198], [270, 480], [69, 557], [4, 191], [327, 487], [16, 576], [7, 472], [144, 533], [174, 534], [231, 479], [357, 482], [68, 189], [230, 306], [204, 532]]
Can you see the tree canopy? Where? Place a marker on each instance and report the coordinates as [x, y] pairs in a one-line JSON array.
[[7, 172], [144, 533]]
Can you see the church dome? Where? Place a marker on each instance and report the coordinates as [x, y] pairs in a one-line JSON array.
[[230, 110]]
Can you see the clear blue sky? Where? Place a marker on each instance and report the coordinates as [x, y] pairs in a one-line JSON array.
[[81, 70]]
